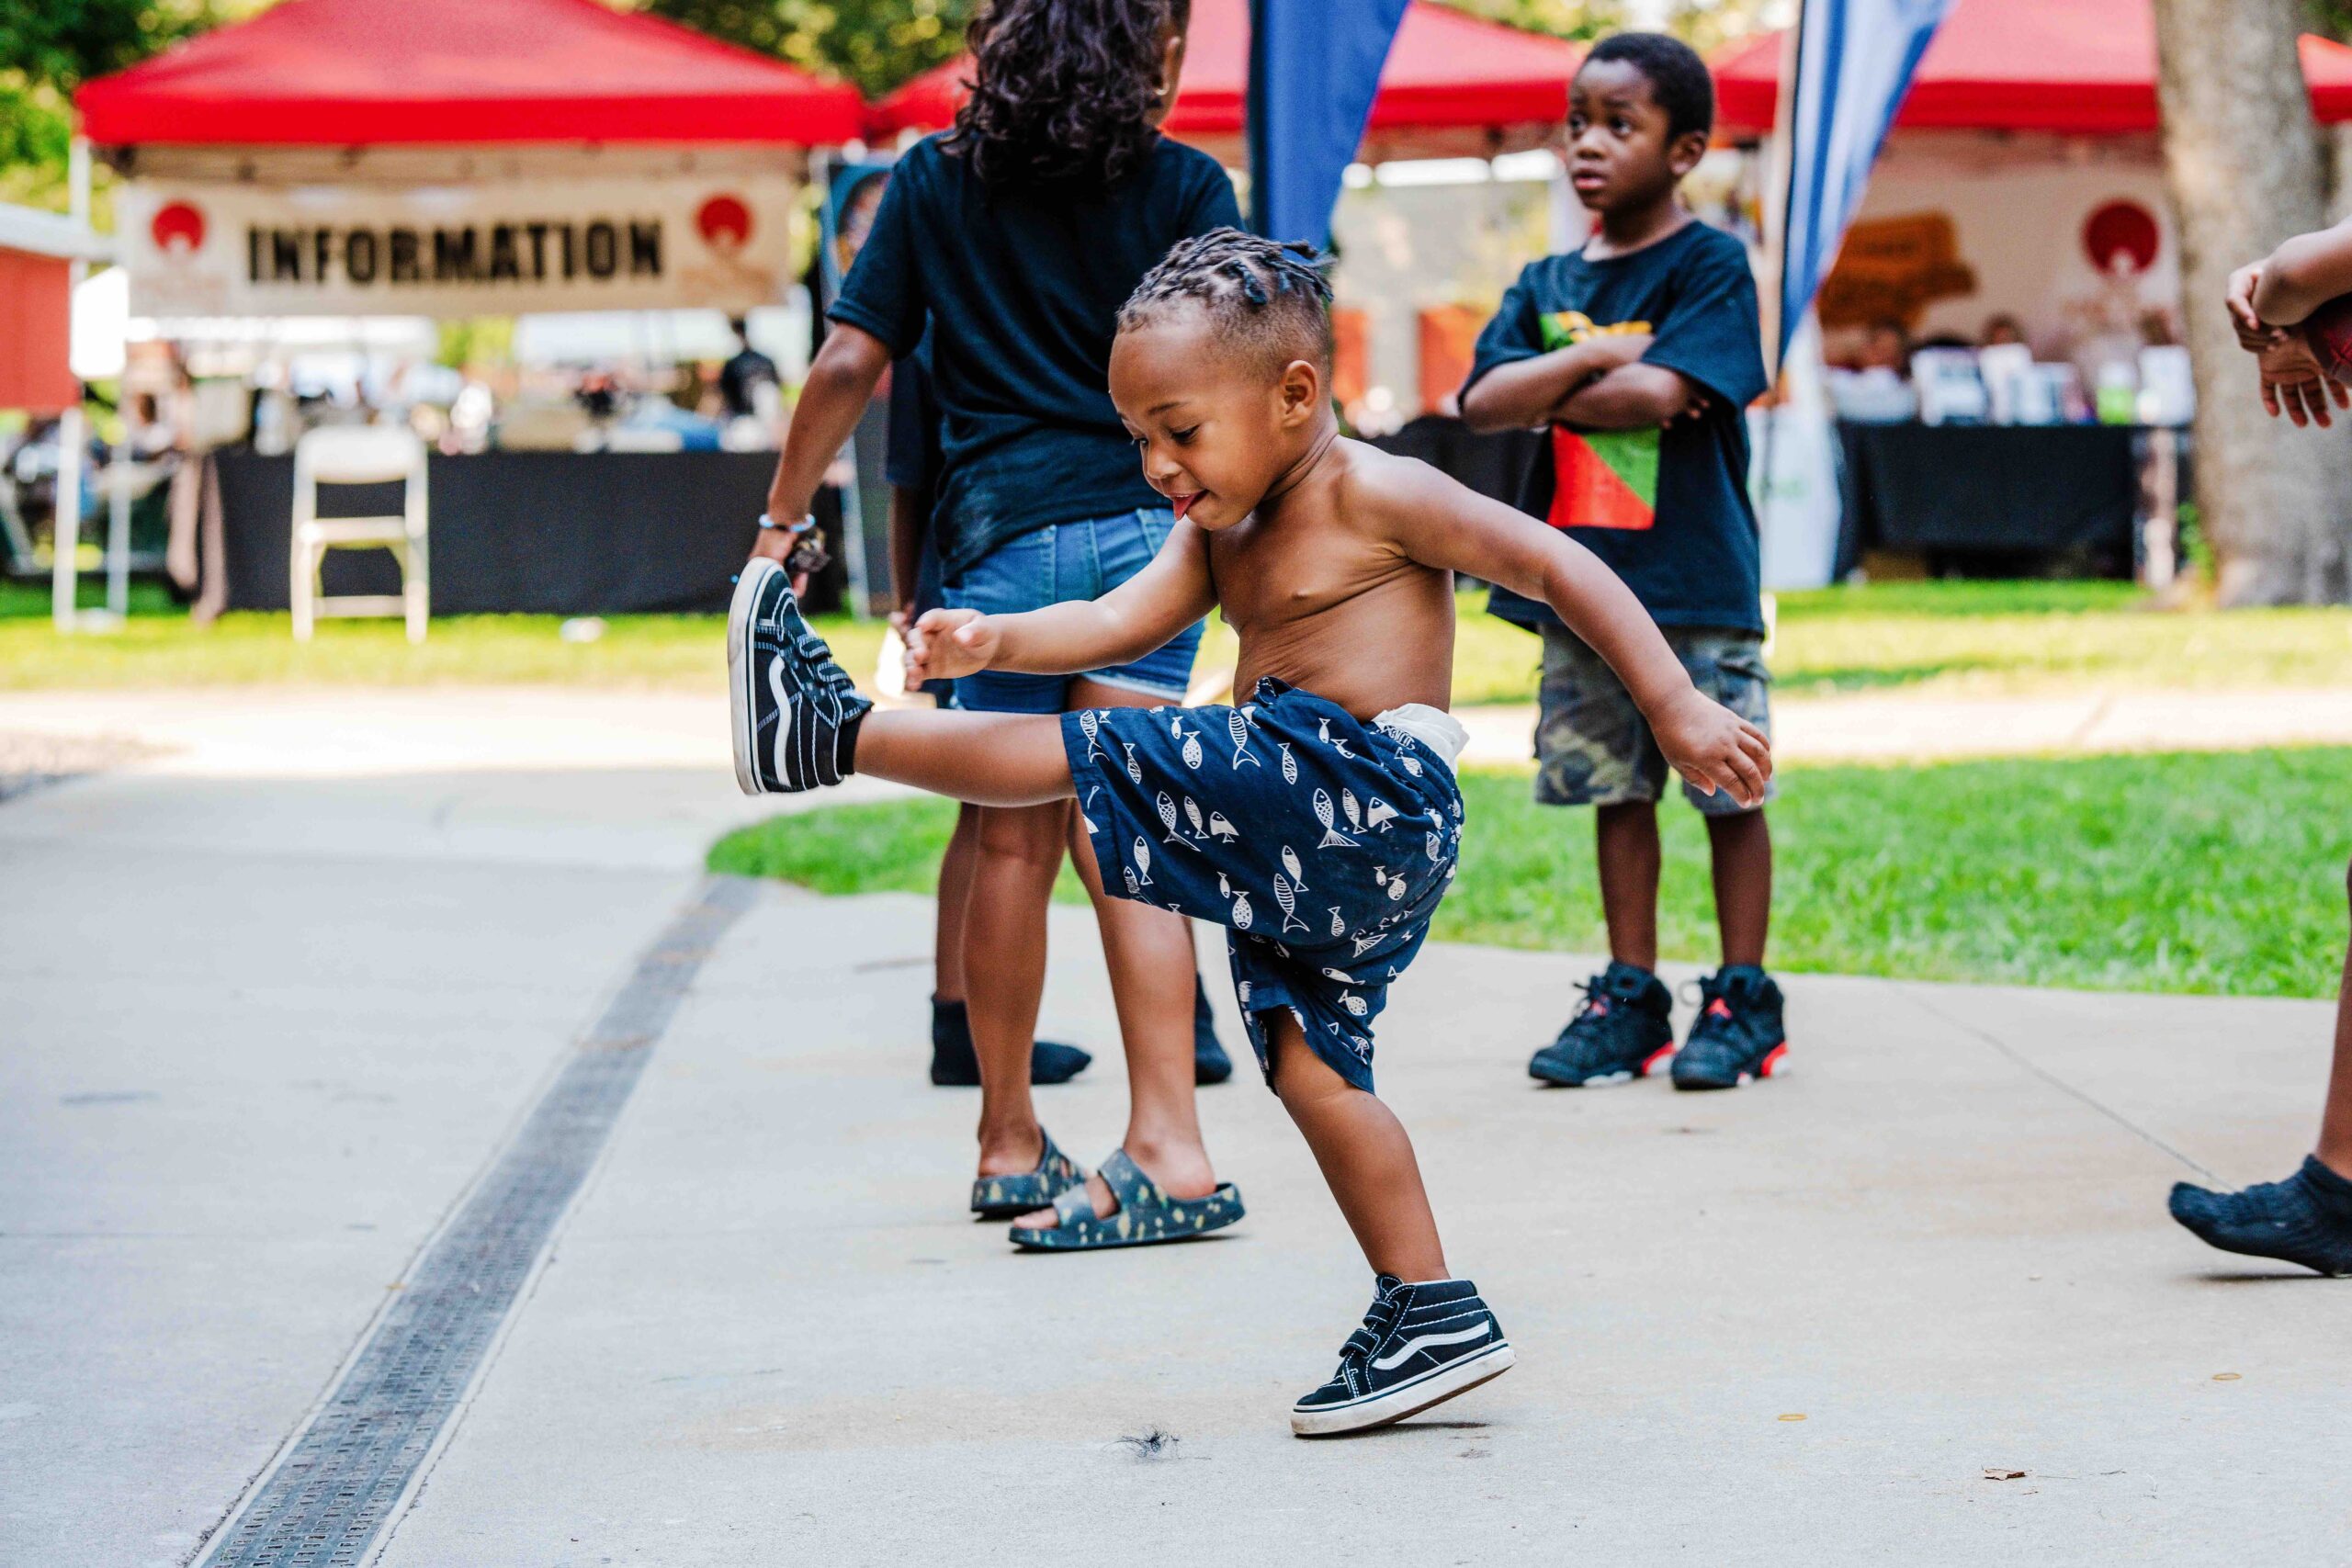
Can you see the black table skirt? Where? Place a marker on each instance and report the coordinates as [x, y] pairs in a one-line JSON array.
[[2015, 490], [547, 532], [1493, 464]]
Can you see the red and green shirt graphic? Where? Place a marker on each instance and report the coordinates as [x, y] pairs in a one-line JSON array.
[[1604, 478]]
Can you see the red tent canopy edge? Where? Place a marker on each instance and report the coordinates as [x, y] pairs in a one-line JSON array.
[[1446, 70], [379, 72], [2086, 68]]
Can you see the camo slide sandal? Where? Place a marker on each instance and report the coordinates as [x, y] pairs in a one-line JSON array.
[[1003, 1197], [1147, 1213]]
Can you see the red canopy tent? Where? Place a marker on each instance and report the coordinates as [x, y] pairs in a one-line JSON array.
[[381, 73], [2084, 68], [1446, 72]]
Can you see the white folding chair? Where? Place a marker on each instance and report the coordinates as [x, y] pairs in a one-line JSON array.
[[360, 455]]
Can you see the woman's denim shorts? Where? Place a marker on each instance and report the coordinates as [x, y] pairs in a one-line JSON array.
[[1050, 566]]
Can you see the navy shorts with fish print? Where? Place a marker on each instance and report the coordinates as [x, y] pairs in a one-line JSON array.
[[1320, 842]]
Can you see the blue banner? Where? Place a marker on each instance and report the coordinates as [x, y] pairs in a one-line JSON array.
[[1313, 71], [1855, 60]]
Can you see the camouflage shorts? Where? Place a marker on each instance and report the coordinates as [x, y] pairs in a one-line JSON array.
[[1592, 746]]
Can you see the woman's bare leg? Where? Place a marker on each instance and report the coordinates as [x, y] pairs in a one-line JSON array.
[[1014, 767], [1019, 853], [1367, 1160], [954, 895], [1149, 955]]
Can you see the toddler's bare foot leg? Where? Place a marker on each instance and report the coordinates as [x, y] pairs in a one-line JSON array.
[[988, 759], [1367, 1160]]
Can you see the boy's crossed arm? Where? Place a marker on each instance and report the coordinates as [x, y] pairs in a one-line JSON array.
[[1072, 637], [1441, 523], [1599, 383]]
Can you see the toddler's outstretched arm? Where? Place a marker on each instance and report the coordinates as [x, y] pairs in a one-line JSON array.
[[1441, 523], [1071, 638]]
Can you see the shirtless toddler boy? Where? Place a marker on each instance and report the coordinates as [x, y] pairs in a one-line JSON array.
[[1317, 819]]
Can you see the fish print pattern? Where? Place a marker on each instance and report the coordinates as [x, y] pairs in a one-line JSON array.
[[1288, 902], [1322, 942], [1332, 837]]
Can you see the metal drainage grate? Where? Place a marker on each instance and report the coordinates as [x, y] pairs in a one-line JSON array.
[[333, 1490]]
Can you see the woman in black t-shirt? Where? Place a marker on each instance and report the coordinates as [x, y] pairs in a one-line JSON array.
[[1017, 235]]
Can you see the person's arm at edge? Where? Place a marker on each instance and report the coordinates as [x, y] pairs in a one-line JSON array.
[[1069, 638], [2303, 273], [840, 383], [1441, 523]]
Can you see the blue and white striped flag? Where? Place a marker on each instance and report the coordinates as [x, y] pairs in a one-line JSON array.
[[1854, 63]]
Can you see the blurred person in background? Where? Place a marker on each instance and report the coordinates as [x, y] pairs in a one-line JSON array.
[[1016, 236]]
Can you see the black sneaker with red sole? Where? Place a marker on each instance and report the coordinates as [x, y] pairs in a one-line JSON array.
[[1738, 1035], [1623, 1031]]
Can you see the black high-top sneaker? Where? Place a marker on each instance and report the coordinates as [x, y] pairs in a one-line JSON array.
[[796, 712], [1420, 1344], [1739, 1035], [1623, 1029]]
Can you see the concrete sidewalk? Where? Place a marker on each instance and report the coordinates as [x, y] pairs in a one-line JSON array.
[[265, 1029], [324, 732]]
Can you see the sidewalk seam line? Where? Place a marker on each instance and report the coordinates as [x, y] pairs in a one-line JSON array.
[[2053, 1080]]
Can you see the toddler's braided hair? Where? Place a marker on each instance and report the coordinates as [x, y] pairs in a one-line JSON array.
[[1269, 297]]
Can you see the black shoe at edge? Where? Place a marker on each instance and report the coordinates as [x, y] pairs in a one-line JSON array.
[[2306, 1219]]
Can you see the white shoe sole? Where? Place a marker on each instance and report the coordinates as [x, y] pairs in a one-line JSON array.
[[740, 673], [1410, 1400]]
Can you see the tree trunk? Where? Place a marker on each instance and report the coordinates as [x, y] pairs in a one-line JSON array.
[[2241, 158]]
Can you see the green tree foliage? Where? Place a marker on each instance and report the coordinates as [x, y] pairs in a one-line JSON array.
[[1706, 25], [47, 48], [875, 44]]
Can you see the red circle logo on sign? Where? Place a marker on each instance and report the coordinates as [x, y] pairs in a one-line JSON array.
[[179, 225], [724, 223], [2120, 229]]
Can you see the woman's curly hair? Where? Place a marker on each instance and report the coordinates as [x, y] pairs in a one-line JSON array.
[[1062, 89]]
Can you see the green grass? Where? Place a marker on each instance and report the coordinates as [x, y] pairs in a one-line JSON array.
[[1982, 638], [2193, 872], [1940, 638], [159, 646]]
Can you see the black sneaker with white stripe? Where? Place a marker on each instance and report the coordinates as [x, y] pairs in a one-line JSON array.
[[796, 712], [1420, 1344]]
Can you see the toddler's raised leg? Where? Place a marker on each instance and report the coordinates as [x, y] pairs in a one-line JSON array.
[[988, 759]]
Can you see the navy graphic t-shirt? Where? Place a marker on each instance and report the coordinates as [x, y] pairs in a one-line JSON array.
[[1022, 290], [1667, 510]]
